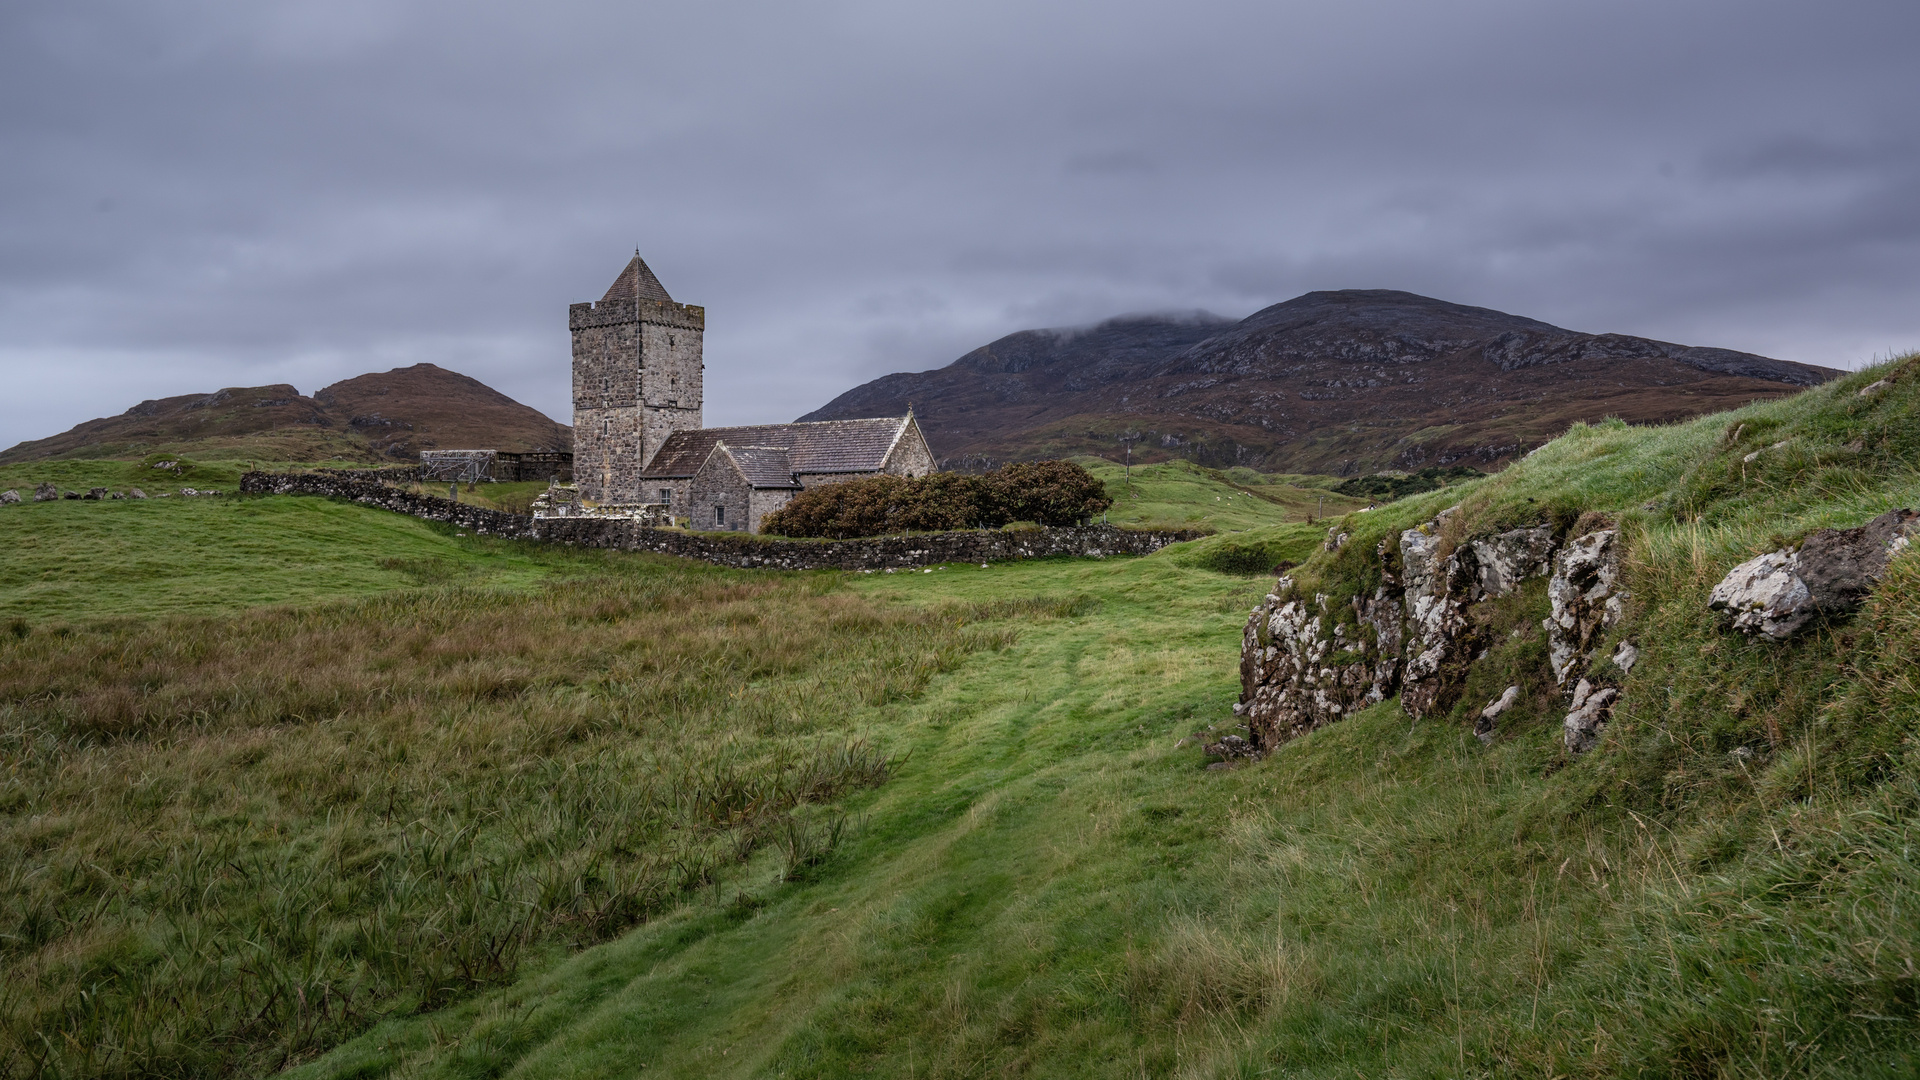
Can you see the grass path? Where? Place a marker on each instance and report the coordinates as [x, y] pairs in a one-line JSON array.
[[970, 873]]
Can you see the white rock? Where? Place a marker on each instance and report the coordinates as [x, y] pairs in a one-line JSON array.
[[1765, 595], [1581, 729], [1625, 656]]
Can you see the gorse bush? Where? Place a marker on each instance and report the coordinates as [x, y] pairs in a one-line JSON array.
[[1046, 492], [234, 841]]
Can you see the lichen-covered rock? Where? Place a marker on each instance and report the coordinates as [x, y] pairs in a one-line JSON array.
[[45, 492], [1765, 596], [1483, 727], [136, 493], [1832, 573], [1442, 637], [1586, 597], [9, 497], [1841, 567], [1300, 669], [1306, 663], [1507, 559], [1588, 715], [1231, 746], [95, 494], [1625, 655]]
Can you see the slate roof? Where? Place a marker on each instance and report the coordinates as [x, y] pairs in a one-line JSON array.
[[763, 466], [821, 446], [636, 281]]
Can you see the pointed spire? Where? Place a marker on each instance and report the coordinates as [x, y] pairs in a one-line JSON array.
[[636, 281]]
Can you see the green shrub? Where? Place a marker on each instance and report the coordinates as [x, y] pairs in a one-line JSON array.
[[1046, 492]]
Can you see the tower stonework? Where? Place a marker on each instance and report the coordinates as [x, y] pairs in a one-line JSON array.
[[637, 378]]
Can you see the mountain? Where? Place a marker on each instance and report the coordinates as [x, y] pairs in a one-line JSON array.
[[1335, 382], [392, 415]]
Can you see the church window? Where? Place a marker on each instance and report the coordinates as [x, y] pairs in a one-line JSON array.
[[719, 515]]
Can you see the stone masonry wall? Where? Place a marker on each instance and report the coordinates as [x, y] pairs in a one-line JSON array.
[[741, 550]]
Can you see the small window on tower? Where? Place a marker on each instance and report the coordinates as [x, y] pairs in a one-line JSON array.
[[719, 515], [666, 495]]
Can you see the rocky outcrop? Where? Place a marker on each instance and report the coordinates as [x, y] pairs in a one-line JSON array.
[[1586, 598], [1830, 574], [1308, 662], [1442, 638], [1301, 669]]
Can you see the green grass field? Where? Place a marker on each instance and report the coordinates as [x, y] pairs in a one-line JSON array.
[[1182, 495], [301, 822]]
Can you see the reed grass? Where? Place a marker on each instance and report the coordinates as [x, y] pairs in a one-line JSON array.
[[235, 840]]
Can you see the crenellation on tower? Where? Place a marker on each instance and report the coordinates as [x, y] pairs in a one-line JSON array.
[[638, 377]]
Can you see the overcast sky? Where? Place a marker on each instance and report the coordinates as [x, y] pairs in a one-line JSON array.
[[201, 193]]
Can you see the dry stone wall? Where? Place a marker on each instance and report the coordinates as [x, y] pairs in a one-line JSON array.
[[740, 550]]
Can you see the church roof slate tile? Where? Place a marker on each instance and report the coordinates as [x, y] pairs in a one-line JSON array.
[[763, 466], [820, 446], [636, 281]]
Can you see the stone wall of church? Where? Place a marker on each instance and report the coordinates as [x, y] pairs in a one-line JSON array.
[[638, 376]]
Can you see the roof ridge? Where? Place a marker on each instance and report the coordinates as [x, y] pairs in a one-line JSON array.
[[636, 281]]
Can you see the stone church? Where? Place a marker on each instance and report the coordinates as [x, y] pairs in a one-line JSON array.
[[637, 436]]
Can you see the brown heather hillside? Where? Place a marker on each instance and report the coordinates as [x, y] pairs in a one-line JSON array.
[[1329, 382], [389, 416]]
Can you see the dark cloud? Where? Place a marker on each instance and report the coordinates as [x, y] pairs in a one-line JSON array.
[[202, 193]]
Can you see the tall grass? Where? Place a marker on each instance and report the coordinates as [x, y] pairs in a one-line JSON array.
[[234, 841]]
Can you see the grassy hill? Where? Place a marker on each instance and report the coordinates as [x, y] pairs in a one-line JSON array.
[[1346, 381], [380, 416], [628, 817]]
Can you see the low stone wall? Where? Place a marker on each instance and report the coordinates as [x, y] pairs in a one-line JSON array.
[[740, 550], [385, 474]]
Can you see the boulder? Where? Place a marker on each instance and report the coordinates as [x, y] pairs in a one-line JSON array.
[[71, 495], [1231, 746], [1832, 573], [8, 497], [1483, 727], [95, 494], [136, 493], [45, 493], [1842, 566], [1625, 655], [1581, 728], [1586, 597], [1764, 596]]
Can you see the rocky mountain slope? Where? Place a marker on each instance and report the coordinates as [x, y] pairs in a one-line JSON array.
[[392, 415], [1339, 382]]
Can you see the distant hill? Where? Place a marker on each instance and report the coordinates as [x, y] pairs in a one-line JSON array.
[[388, 416], [1331, 382]]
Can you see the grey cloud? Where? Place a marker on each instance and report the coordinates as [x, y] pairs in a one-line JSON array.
[[209, 192]]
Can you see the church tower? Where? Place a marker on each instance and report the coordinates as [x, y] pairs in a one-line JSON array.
[[636, 380]]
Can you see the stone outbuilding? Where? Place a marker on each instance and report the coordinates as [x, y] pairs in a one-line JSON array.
[[731, 478], [740, 485]]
